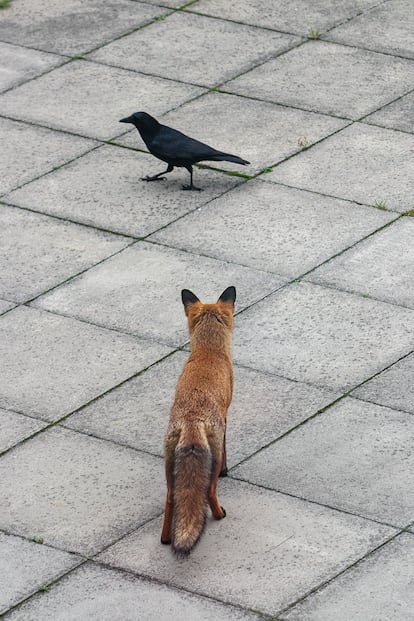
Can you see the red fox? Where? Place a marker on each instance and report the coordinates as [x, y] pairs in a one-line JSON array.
[[195, 442]]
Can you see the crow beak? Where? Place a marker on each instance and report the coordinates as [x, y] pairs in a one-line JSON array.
[[127, 119]]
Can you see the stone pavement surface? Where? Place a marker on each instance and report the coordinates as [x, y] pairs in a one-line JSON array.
[[317, 234]]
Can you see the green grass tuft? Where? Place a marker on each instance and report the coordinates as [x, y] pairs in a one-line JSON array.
[[314, 34], [4, 4], [37, 539], [380, 204]]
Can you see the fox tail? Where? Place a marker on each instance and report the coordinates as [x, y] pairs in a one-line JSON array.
[[192, 474]]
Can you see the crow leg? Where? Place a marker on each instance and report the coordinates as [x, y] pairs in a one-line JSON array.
[[191, 186], [158, 177]]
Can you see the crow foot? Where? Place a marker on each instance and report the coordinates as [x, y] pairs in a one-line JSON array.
[[153, 178], [191, 187]]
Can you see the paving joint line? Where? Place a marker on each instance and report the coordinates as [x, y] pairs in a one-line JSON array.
[[280, 104], [356, 243], [320, 411], [65, 61], [37, 49], [288, 279], [92, 227], [67, 280], [325, 38], [278, 30], [45, 586], [314, 502], [49, 171], [29, 538], [365, 296], [151, 20], [119, 331], [363, 118], [155, 242], [124, 535], [161, 228], [245, 24], [60, 130], [153, 580], [91, 434], [318, 193], [280, 287], [298, 279], [337, 575], [57, 422], [102, 63], [101, 141], [382, 405]]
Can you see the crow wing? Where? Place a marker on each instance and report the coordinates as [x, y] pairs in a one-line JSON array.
[[178, 149]]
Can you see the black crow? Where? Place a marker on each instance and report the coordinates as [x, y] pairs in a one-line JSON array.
[[175, 148]]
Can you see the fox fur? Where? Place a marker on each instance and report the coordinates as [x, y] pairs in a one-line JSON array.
[[195, 442]]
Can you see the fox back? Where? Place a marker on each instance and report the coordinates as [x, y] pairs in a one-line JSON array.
[[195, 451]]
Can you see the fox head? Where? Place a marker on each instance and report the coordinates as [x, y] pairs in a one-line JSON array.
[[209, 320]]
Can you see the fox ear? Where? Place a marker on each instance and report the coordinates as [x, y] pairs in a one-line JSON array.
[[228, 296], [188, 297]]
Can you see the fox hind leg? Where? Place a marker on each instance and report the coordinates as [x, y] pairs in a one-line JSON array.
[[224, 471], [217, 453], [168, 512]]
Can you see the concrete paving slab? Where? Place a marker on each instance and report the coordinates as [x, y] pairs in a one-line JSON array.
[[298, 16], [76, 492], [322, 336], [264, 407], [397, 115], [5, 306], [18, 64], [380, 587], [39, 252], [73, 27], [144, 402], [297, 230], [51, 365], [112, 294], [97, 593], [28, 151], [16, 427], [214, 50], [105, 189], [267, 539], [361, 163], [89, 98], [394, 387], [386, 28], [260, 132], [329, 78], [376, 266], [136, 413], [356, 456], [26, 566]]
